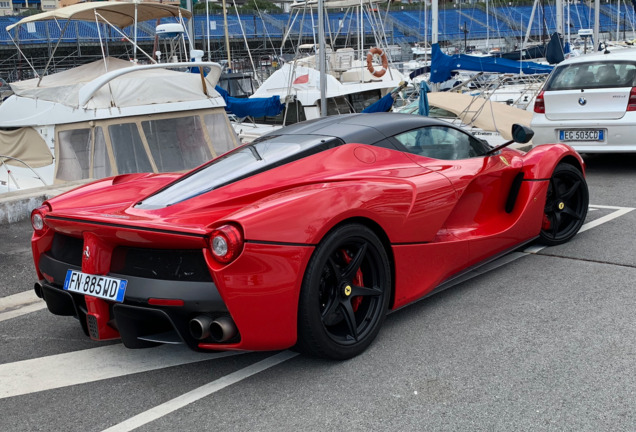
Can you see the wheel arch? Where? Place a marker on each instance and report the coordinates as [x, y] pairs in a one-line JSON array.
[[576, 163], [540, 162]]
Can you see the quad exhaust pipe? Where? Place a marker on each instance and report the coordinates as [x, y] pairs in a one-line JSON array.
[[221, 329]]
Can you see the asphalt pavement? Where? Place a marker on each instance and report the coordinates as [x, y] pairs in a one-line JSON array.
[[544, 341]]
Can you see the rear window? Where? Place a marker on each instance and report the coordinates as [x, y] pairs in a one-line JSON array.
[[592, 75], [250, 159]]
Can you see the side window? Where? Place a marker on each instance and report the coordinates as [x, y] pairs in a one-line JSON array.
[[75, 154], [176, 144], [221, 133], [440, 142], [128, 149], [101, 161]]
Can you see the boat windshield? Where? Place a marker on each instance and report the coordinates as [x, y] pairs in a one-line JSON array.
[[256, 157]]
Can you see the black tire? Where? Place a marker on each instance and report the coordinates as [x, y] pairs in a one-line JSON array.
[[565, 206], [345, 294]]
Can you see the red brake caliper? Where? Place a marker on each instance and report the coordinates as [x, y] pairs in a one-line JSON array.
[[357, 280], [546, 223]]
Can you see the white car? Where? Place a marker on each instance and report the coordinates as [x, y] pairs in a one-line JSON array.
[[589, 102]]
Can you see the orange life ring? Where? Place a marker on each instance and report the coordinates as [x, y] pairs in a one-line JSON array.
[[385, 62]]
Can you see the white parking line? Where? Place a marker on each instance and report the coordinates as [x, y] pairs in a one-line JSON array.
[[620, 211], [19, 304], [78, 367], [201, 392]]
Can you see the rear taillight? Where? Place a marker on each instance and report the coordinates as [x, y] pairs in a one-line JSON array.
[[631, 103], [226, 243], [37, 219], [539, 104]]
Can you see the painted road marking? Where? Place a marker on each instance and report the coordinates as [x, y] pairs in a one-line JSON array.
[[34, 375], [619, 211], [19, 304], [201, 392]]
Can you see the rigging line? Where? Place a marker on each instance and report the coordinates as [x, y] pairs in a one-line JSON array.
[[122, 34], [328, 31], [23, 55], [290, 24], [53, 53], [249, 52], [349, 22], [383, 37], [294, 65], [267, 35]]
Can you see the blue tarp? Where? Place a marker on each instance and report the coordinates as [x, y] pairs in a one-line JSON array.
[[383, 105], [253, 107], [442, 65]]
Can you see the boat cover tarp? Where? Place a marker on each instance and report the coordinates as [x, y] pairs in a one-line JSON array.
[[529, 53], [383, 105], [442, 65], [480, 112], [120, 14], [24, 144], [555, 51], [145, 87], [253, 107]]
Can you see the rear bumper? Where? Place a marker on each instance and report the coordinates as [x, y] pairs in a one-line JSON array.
[[619, 135], [138, 323], [259, 292]]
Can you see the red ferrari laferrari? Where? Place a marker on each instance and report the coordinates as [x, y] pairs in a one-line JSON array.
[[306, 237]]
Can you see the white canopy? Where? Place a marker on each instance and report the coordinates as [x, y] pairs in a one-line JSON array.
[[137, 88], [118, 13]]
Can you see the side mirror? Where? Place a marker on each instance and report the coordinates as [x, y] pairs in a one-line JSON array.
[[521, 134]]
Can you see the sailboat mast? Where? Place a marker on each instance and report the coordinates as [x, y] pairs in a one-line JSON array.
[[559, 16], [321, 58], [597, 17], [534, 8], [227, 38], [434, 24], [487, 29]]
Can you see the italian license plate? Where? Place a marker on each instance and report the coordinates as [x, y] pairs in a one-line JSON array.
[[98, 286], [581, 135]]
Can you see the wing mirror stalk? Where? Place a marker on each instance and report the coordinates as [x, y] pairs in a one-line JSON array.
[[520, 134]]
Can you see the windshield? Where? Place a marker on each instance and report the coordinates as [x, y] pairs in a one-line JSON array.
[[250, 159], [591, 75]]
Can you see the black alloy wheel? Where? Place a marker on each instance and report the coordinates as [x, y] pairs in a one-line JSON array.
[[566, 205], [345, 294]]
